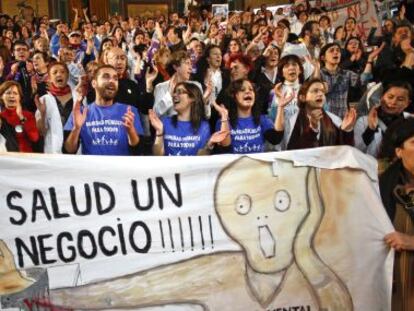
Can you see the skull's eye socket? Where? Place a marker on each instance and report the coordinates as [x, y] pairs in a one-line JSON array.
[[243, 204], [281, 200]]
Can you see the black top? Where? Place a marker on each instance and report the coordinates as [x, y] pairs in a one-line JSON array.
[[128, 93], [8, 132]]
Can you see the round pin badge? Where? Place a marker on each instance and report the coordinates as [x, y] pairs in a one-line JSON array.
[[18, 128]]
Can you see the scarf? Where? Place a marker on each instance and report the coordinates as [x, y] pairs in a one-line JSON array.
[[387, 118], [163, 72], [295, 84], [328, 135], [57, 91], [75, 46]]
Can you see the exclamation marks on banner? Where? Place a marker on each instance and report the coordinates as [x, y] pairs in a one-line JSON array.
[[201, 231], [178, 234], [191, 232], [162, 235], [171, 235], [211, 231], [181, 234]]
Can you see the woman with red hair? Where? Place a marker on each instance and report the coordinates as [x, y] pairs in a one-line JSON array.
[[13, 115]]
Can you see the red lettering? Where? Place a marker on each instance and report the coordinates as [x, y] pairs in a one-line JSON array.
[[28, 304], [363, 29], [34, 304], [353, 11]]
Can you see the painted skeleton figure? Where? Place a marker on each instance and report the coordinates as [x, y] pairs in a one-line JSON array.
[[273, 217]]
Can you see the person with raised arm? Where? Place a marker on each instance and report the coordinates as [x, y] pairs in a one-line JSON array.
[[105, 127]]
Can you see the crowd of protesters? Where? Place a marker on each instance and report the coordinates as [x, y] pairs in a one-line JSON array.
[[199, 84]]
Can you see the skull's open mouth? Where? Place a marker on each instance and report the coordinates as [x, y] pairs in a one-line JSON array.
[[267, 242]]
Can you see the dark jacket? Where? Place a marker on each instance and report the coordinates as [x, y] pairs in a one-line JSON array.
[[387, 183]]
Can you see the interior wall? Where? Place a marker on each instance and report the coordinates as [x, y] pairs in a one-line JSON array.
[[9, 7], [257, 3]]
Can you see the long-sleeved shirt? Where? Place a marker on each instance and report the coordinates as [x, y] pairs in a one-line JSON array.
[[26, 131], [339, 84]]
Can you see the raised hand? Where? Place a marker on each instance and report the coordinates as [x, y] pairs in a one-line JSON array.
[[285, 99], [187, 33], [1, 65], [29, 67], [218, 137], [282, 99], [81, 87], [89, 39], [156, 123], [409, 60], [40, 105], [151, 75], [316, 66], [209, 86], [19, 111], [14, 68], [356, 56], [349, 120], [33, 84], [222, 110], [79, 116], [406, 46], [129, 118], [373, 118], [315, 117], [278, 89], [374, 54], [266, 52]]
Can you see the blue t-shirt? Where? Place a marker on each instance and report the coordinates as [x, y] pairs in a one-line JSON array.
[[103, 132], [247, 137], [182, 140]]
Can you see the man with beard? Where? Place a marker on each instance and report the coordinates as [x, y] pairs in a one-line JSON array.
[[311, 36], [104, 127]]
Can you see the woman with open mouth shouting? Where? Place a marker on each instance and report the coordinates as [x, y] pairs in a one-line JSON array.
[[249, 129], [312, 126], [187, 132], [291, 74], [12, 116], [54, 108]]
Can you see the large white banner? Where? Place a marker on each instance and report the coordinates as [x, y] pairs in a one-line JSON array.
[[363, 11], [298, 230]]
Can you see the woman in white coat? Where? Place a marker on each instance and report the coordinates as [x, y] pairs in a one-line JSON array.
[[54, 108]]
